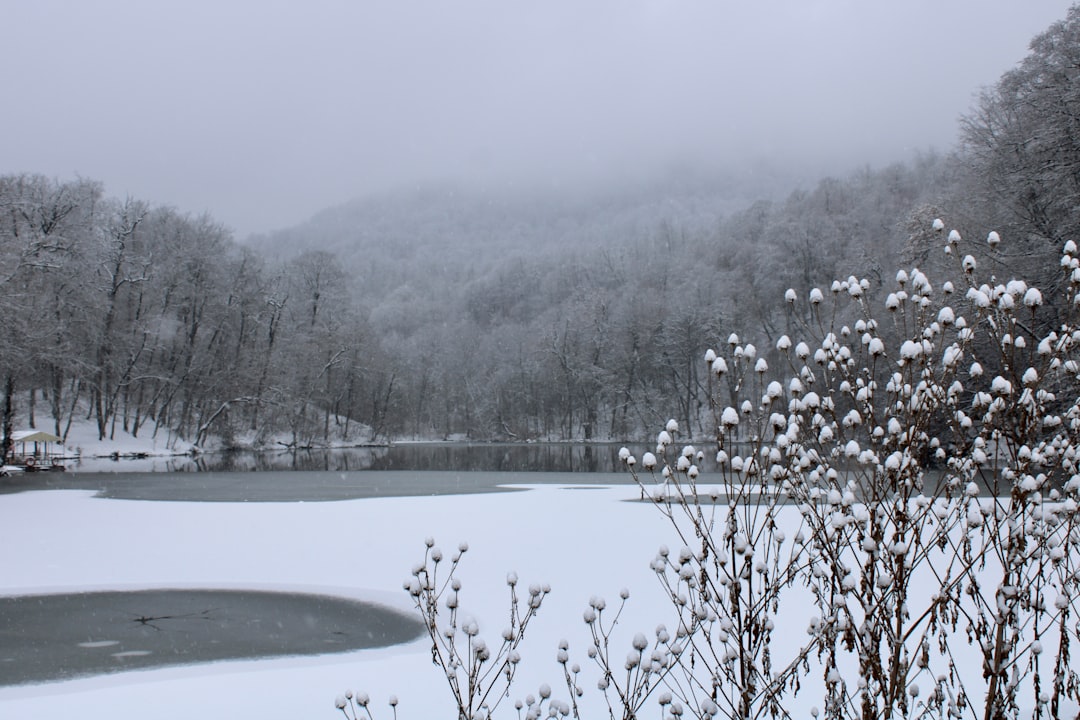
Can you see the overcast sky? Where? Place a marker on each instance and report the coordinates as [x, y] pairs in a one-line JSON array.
[[263, 112]]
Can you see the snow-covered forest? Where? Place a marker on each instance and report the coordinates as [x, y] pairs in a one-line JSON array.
[[444, 313]]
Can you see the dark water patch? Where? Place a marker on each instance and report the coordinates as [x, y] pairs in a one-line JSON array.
[[297, 486], [46, 638]]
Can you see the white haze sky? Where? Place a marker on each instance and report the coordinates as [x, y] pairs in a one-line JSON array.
[[262, 112]]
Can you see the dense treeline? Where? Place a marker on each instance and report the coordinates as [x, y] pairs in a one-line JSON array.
[[443, 313], [147, 319]]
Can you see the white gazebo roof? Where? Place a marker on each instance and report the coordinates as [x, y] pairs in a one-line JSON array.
[[34, 436]]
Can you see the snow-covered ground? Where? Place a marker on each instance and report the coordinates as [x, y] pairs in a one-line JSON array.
[[582, 541]]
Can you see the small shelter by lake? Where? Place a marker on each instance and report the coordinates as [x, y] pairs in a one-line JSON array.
[[34, 448]]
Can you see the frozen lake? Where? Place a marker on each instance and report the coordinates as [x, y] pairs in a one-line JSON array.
[[311, 535], [81, 539], [293, 486]]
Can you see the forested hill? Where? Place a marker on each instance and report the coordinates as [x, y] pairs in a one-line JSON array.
[[586, 316], [449, 313], [399, 238]]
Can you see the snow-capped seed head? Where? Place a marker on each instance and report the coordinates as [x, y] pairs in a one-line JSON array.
[[719, 366], [1033, 298], [393, 701], [790, 296], [648, 460], [672, 426], [761, 367], [968, 263], [816, 296], [511, 578], [938, 224], [710, 355], [993, 239], [954, 237], [910, 350], [901, 278], [429, 541], [663, 439], [623, 454], [733, 339], [783, 344]]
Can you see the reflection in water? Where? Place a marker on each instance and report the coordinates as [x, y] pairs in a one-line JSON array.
[[497, 457]]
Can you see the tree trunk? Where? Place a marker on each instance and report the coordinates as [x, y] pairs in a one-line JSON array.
[[8, 419]]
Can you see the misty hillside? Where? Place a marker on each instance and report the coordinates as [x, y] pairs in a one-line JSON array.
[[459, 233], [580, 316]]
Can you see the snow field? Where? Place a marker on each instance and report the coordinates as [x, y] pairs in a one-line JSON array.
[[582, 541]]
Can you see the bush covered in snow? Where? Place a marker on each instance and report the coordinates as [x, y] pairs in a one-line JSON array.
[[884, 525]]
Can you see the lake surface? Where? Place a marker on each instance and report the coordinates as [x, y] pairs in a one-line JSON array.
[[328, 475], [463, 457]]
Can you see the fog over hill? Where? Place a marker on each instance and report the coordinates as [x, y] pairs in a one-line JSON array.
[[416, 235]]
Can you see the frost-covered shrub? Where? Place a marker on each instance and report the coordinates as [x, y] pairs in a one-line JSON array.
[[884, 525]]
